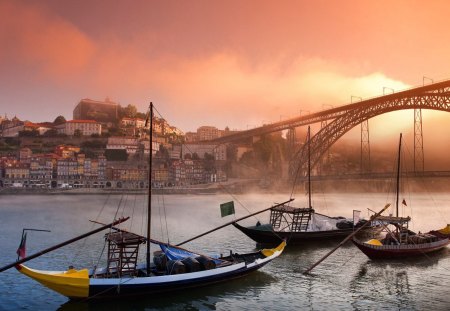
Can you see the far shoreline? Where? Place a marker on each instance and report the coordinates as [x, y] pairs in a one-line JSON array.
[[418, 185]]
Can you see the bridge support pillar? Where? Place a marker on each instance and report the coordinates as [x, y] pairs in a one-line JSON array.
[[365, 147], [419, 160]]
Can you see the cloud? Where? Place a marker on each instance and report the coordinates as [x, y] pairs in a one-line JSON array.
[[222, 87], [41, 43]]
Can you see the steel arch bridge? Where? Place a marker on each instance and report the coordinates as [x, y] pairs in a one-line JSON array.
[[435, 96]]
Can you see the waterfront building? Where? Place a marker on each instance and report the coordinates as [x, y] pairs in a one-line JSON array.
[[101, 168], [160, 173], [80, 164], [66, 170], [187, 172], [41, 171], [16, 175]]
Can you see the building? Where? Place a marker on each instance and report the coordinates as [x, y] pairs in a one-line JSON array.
[[207, 133], [104, 112], [191, 137], [133, 122], [41, 171], [187, 172], [13, 129], [16, 175], [84, 127], [66, 151], [25, 155], [130, 144]]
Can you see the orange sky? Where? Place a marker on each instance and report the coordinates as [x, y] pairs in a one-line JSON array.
[[223, 63]]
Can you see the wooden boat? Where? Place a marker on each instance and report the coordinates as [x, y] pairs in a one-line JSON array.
[[192, 271], [173, 269], [399, 241], [299, 225]]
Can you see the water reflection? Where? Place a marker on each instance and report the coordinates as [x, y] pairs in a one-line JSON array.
[[390, 280], [375, 281]]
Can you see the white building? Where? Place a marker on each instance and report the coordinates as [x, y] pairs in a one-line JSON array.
[[86, 127], [133, 122], [130, 144]]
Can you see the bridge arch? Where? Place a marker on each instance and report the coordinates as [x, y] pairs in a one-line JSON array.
[[434, 99]]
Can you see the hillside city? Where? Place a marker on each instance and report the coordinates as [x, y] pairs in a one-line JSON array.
[[106, 145]]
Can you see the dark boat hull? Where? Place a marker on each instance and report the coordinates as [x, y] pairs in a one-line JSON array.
[[293, 238], [133, 290], [399, 251]]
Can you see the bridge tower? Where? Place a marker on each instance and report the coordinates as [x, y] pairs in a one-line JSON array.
[[291, 140], [419, 160], [325, 161], [365, 148]]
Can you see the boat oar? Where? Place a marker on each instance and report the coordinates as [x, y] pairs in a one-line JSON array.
[[232, 222], [347, 238], [63, 244]]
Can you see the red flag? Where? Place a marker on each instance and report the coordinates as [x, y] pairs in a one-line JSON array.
[[404, 202], [21, 250]]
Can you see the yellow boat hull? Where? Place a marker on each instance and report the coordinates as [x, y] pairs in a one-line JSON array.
[[71, 283]]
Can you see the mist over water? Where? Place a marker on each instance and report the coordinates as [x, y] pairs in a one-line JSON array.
[[346, 280]]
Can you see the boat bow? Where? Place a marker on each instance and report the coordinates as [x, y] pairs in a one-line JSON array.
[[71, 283]]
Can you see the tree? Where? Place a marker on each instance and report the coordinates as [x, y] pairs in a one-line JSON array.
[[77, 133], [116, 154], [26, 133], [59, 120], [129, 111], [51, 133], [209, 162]]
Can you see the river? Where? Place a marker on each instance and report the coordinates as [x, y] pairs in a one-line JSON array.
[[347, 280]]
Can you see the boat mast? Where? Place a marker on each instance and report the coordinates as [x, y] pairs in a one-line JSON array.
[[149, 202], [309, 167], [398, 173]]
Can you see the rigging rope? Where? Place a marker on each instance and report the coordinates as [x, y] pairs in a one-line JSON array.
[[83, 245]]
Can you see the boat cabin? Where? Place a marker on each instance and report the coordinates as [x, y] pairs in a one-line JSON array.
[[123, 249], [397, 232], [284, 217]]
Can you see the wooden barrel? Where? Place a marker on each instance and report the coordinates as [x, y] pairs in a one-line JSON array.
[[191, 264], [175, 267]]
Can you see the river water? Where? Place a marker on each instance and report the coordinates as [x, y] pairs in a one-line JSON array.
[[347, 280]]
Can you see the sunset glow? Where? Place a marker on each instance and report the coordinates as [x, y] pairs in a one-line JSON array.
[[228, 63]]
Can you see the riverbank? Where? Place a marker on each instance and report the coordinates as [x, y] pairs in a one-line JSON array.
[[435, 184]]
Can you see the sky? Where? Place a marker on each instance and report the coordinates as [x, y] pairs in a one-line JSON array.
[[223, 63]]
